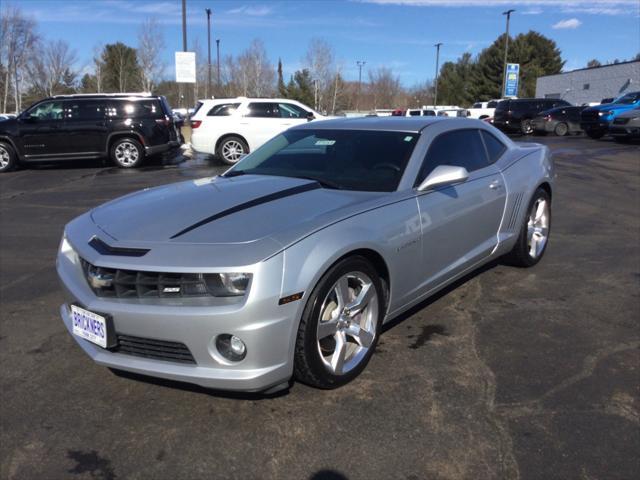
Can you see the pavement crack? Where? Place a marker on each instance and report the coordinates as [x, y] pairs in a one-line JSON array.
[[536, 407], [465, 306]]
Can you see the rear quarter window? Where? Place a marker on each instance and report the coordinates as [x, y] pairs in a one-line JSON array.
[[495, 148], [223, 110], [136, 109]]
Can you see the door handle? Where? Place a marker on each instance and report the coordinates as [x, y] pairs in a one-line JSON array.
[[495, 185]]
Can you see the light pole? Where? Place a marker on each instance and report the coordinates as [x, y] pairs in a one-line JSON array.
[[435, 95], [218, 60], [506, 49], [208, 10], [360, 64]]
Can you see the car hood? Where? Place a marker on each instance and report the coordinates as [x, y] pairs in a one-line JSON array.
[[610, 107], [236, 210]]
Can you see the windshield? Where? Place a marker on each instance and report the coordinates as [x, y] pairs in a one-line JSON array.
[[342, 159], [628, 99]]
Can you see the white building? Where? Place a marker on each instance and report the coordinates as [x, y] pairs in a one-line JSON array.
[[593, 84]]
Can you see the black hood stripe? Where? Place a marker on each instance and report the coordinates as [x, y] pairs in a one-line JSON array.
[[252, 203]]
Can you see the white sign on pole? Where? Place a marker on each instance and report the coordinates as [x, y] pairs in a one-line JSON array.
[[186, 67]]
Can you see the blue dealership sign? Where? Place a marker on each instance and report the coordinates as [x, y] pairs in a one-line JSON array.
[[511, 83]]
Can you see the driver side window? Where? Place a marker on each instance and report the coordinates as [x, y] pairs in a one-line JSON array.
[[458, 148], [47, 111]]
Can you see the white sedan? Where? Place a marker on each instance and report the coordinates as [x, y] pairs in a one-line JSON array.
[[231, 128]]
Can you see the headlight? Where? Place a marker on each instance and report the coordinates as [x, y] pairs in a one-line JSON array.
[[227, 284], [606, 114]]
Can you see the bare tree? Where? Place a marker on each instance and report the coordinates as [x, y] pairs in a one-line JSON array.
[[18, 40], [150, 45], [384, 86], [319, 59], [251, 74], [51, 72]]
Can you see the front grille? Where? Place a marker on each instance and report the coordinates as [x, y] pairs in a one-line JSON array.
[[621, 121], [590, 116], [117, 283], [155, 349]]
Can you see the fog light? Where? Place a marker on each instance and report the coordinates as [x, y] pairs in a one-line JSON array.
[[231, 347]]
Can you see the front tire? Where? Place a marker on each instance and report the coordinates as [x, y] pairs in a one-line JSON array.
[[232, 149], [534, 233], [8, 158], [595, 134], [340, 325], [127, 153]]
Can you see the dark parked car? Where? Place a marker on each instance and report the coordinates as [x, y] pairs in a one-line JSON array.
[[123, 127], [595, 121], [516, 115], [561, 121]]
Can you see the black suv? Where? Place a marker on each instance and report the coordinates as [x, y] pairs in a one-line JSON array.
[[516, 115], [122, 127]]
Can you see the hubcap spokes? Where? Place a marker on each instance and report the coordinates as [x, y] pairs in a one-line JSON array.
[[232, 151], [126, 153], [347, 324], [4, 157], [538, 227]]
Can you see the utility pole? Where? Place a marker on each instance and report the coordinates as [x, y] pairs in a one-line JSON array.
[[435, 96], [184, 48], [506, 49], [218, 59], [360, 64], [208, 10]]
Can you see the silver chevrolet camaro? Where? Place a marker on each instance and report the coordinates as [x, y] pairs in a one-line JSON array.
[[289, 263]]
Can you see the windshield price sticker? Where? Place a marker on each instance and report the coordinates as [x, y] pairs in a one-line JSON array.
[[325, 142]]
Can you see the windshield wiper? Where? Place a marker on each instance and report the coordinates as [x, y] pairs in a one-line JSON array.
[[233, 173], [323, 183]]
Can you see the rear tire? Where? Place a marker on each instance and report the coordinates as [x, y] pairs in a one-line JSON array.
[[8, 157], [561, 129], [127, 153], [338, 332], [232, 149], [526, 127], [534, 233]]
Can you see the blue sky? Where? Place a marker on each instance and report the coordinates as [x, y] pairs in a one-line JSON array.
[[395, 33]]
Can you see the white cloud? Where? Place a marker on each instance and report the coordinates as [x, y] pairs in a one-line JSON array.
[[254, 11], [533, 7], [571, 24]]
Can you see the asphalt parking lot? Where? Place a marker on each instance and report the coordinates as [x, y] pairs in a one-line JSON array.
[[531, 374]]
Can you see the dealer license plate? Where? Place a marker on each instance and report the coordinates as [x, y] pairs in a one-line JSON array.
[[89, 325]]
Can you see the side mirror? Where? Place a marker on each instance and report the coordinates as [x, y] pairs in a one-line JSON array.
[[444, 175], [310, 116], [28, 118]]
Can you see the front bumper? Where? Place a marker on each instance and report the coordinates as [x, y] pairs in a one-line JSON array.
[[630, 131], [594, 126], [267, 329]]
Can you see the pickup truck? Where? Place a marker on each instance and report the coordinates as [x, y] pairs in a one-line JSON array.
[[482, 110], [595, 121]]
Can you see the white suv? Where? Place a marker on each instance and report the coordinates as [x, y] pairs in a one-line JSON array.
[[233, 127]]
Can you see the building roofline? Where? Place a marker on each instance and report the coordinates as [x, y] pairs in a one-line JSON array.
[[592, 68]]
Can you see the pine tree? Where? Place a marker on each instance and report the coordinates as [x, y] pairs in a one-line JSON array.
[[282, 89]]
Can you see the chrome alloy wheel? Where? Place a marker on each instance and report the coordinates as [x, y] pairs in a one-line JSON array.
[[4, 157], [538, 227], [232, 151], [126, 154], [348, 322]]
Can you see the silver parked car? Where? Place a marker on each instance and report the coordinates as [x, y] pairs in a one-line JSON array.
[[290, 263]]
